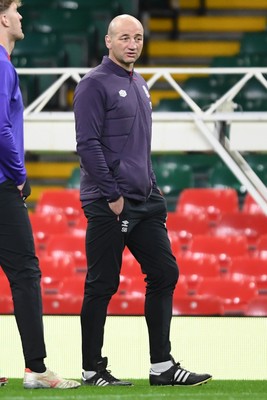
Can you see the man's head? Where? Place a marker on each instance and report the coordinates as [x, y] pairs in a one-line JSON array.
[[10, 23], [5, 4], [125, 40]]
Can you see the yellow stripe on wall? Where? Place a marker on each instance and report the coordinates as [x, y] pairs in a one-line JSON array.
[[50, 169], [37, 190], [209, 23], [193, 49], [226, 4]]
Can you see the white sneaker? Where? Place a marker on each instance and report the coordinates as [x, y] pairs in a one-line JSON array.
[[47, 380], [3, 381]]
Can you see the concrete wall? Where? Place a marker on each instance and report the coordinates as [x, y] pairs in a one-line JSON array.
[[226, 347]]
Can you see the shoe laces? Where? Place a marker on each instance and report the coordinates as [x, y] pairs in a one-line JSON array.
[[175, 364], [106, 374], [179, 366]]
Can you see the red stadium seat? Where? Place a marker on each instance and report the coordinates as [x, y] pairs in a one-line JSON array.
[[250, 268], [181, 288], [187, 225], [196, 267], [79, 229], [210, 201], [137, 285], [130, 266], [45, 225], [235, 294], [73, 286], [58, 246], [62, 266], [126, 305], [2, 274], [198, 305], [125, 285], [130, 297], [54, 271], [250, 206], [60, 201], [52, 304], [176, 244], [249, 225], [68, 300], [51, 285], [224, 247], [58, 304], [261, 247], [6, 303], [257, 307]]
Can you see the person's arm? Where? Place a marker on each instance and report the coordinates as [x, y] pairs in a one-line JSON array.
[[89, 110], [10, 163]]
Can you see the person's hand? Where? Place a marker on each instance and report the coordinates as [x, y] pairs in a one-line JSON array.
[[20, 187], [25, 189], [117, 206]]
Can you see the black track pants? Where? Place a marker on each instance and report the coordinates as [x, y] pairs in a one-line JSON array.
[[18, 260], [141, 228]]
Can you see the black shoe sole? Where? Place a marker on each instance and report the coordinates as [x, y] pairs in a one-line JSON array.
[[180, 384], [85, 383]]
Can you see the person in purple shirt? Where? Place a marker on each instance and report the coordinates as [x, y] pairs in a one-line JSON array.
[[123, 205], [17, 252]]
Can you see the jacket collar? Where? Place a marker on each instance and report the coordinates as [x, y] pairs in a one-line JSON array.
[[117, 69], [4, 51]]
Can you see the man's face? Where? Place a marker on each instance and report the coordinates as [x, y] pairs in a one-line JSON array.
[[14, 22], [125, 43]]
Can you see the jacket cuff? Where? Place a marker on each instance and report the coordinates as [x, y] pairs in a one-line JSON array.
[[113, 198]]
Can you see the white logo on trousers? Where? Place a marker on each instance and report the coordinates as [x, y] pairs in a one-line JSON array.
[[124, 226]]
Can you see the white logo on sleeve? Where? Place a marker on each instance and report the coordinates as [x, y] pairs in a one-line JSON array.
[[123, 93], [146, 91]]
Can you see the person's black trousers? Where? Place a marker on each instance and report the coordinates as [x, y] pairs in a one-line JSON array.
[[21, 266], [141, 227]]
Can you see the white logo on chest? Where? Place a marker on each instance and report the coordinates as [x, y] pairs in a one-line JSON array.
[[123, 93]]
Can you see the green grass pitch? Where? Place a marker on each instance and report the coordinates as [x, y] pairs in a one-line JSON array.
[[214, 390]]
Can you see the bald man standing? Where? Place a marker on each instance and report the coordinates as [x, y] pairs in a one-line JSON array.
[[123, 205]]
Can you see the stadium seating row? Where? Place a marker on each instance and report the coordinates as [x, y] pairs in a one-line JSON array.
[[199, 211], [205, 91], [209, 201], [214, 296], [182, 228], [175, 172], [60, 33], [185, 226], [194, 268], [231, 247]]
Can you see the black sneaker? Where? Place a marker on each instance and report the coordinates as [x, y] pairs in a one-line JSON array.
[[177, 375], [103, 377]]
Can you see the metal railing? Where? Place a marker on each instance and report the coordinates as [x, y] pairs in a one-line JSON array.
[[206, 125]]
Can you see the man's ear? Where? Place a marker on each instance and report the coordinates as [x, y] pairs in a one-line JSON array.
[[108, 41], [4, 20]]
